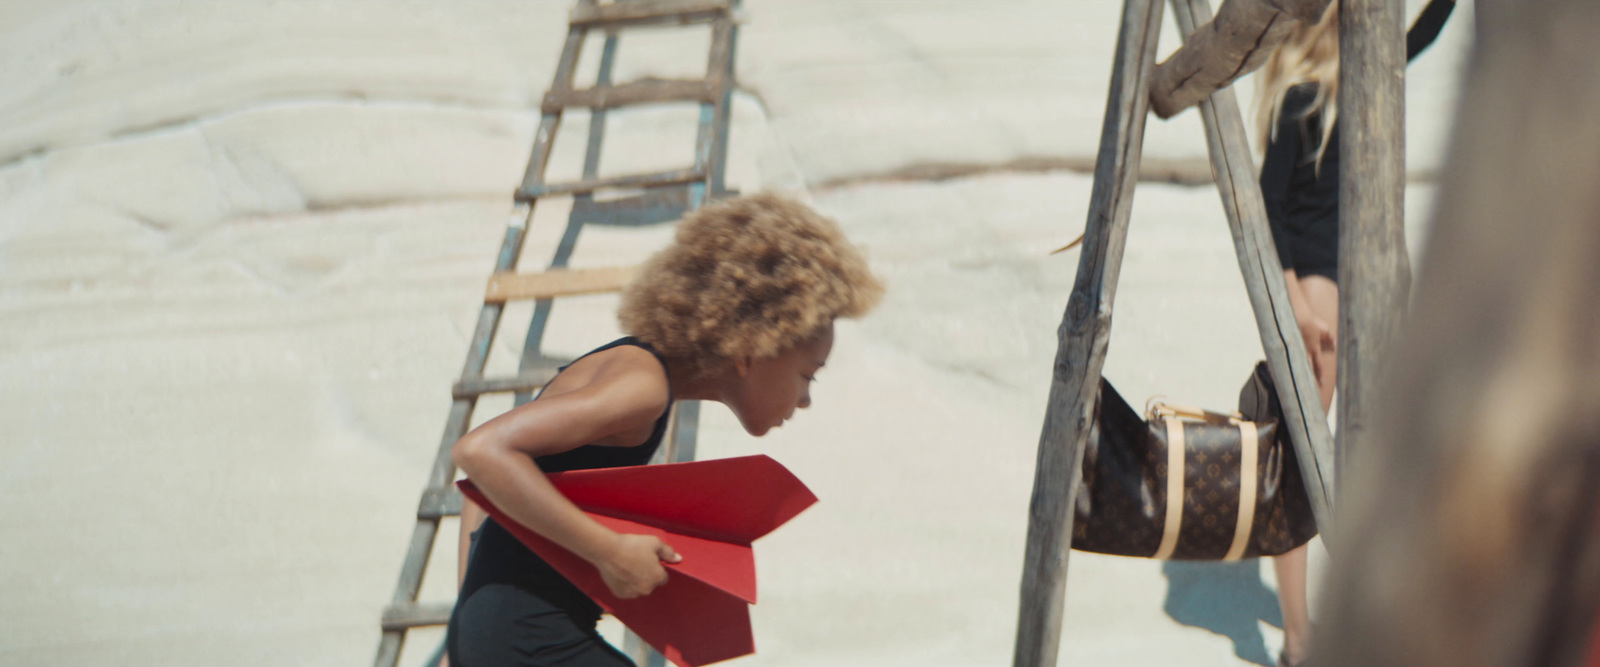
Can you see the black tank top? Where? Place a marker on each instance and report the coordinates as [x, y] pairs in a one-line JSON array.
[[498, 557]]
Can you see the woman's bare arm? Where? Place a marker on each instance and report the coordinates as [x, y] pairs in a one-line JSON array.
[[626, 395]]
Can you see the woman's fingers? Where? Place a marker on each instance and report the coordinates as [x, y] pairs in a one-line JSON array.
[[666, 554], [634, 567], [1320, 345]]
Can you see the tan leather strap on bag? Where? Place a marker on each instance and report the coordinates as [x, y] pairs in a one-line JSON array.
[[1175, 476], [1174, 415], [1249, 455]]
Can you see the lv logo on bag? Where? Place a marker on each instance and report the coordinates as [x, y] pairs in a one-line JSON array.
[[1190, 484]]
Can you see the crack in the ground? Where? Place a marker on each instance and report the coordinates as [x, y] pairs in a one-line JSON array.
[[139, 131], [1189, 172]]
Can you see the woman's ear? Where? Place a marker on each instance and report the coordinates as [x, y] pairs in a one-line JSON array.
[[741, 366]]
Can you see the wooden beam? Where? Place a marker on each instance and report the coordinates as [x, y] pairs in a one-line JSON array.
[[641, 12], [1374, 268], [630, 181], [1220, 51], [401, 615], [653, 206], [1085, 330], [506, 286], [439, 503], [1304, 418], [1478, 484], [647, 91]]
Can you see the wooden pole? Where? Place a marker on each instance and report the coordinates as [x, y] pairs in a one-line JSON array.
[[1469, 511], [1084, 331], [1304, 418], [1374, 269]]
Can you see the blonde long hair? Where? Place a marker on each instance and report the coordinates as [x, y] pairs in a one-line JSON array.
[[1309, 55]]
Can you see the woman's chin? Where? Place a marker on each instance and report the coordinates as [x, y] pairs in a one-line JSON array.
[[757, 431]]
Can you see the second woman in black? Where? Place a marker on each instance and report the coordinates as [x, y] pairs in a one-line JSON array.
[[1297, 91]]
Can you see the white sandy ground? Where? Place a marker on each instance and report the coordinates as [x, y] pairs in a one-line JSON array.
[[242, 246]]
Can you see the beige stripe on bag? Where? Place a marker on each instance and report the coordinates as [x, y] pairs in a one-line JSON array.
[[1249, 454], [1175, 470]]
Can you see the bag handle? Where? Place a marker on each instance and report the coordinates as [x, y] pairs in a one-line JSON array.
[[1157, 410]]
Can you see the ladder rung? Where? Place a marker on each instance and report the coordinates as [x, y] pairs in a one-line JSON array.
[[646, 91], [526, 381], [439, 503], [556, 282], [402, 615], [653, 180], [640, 12], [653, 206]]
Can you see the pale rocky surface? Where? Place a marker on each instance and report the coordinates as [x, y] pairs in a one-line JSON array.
[[242, 246]]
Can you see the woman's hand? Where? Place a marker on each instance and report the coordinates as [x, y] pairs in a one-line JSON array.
[[632, 566], [1319, 340]]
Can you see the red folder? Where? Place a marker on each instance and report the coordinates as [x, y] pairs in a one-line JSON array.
[[709, 512]]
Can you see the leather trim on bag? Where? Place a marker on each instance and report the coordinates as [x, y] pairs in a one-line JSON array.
[[1175, 477], [1249, 453]]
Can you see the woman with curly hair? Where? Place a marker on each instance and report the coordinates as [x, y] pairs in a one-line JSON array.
[[738, 310]]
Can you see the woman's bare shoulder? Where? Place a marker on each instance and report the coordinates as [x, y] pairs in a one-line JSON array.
[[629, 378]]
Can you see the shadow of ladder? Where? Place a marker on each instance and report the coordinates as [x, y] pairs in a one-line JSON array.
[[646, 199]]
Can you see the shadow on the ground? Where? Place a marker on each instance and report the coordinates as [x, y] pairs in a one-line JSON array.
[[1226, 598]]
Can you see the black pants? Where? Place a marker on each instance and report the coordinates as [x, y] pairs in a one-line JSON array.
[[505, 625]]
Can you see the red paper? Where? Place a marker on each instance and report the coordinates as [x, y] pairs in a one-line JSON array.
[[707, 511]]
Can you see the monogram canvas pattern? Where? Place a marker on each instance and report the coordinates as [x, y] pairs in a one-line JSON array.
[[1211, 489], [1121, 503]]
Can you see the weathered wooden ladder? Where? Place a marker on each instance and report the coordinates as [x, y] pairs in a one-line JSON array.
[[658, 198], [1086, 327]]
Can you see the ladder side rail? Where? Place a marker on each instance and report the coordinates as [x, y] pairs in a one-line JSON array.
[[724, 83], [1083, 336], [711, 140], [647, 91], [634, 13], [550, 120], [426, 530], [443, 472], [533, 341]]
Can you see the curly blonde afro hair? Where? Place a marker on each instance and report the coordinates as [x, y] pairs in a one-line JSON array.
[[747, 277]]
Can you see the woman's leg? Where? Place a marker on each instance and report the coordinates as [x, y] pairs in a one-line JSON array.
[[1321, 297], [1290, 569]]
